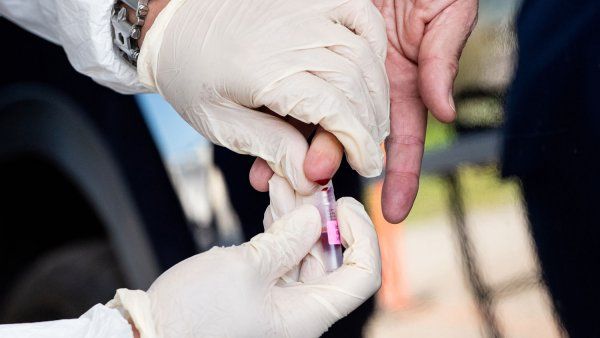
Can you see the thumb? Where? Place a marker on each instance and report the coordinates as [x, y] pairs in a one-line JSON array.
[[439, 54], [247, 131], [286, 242]]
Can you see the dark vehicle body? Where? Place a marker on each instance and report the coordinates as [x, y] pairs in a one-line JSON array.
[[86, 202]]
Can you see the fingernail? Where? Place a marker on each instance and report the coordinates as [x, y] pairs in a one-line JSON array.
[[323, 181], [451, 101]]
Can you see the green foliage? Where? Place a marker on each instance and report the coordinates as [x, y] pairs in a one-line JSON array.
[[482, 187], [439, 135]]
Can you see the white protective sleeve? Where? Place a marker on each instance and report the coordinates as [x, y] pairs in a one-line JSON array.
[[83, 29], [98, 322]]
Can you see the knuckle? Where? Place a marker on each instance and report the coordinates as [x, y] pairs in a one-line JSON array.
[[449, 62], [404, 140]]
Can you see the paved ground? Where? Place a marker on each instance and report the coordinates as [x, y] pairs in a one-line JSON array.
[[440, 304]]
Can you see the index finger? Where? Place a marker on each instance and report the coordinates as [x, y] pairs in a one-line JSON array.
[[404, 146]]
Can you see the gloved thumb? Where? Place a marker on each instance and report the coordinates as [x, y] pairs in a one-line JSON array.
[[286, 241], [274, 140], [324, 301], [247, 131]]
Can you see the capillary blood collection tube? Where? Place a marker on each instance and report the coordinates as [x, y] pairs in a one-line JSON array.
[[330, 233]]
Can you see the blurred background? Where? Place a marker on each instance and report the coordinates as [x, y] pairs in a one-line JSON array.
[[463, 264], [104, 191]]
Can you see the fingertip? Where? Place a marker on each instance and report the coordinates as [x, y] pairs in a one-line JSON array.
[[436, 82], [320, 167], [323, 158], [445, 113], [259, 175], [393, 216], [398, 196]]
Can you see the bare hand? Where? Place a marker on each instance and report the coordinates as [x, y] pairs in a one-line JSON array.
[[426, 38]]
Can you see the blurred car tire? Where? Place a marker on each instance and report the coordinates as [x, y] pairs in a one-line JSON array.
[[63, 283]]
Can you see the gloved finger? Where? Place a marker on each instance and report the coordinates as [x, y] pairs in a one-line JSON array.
[[310, 99], [440, 51], [282, 201], [323, 158], [322, 162], [287, 241], [313, 265], [356, 49], [259, 134], [348, 78], [362, 17], [339, 76], [282, 197], [260, 174], [404, 146], [332, 297]]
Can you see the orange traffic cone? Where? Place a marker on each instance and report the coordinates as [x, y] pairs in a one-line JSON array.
[[393, 294]]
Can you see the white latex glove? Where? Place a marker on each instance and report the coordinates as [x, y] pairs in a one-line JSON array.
[[283, 200], [238, 291], [318, 61]]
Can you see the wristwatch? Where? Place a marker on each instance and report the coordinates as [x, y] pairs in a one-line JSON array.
[[126, 34]]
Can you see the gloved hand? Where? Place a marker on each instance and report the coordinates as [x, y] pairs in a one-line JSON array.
[[239, 292], [283, 201], [318, 61]]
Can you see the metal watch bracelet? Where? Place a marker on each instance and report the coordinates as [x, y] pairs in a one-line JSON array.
[[126, 34]]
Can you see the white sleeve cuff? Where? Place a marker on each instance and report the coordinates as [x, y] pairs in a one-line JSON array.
[[83, 29], [97, 322], [85, 34]]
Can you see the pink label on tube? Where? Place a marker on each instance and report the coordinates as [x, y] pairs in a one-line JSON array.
[[333, 233]]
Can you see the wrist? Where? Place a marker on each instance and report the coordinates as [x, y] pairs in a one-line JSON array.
[[136, 333]]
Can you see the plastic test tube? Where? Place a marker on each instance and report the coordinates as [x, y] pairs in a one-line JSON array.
[[330, 232]]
